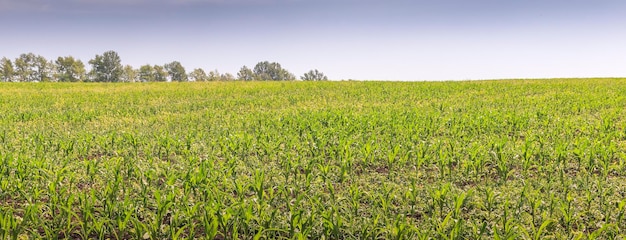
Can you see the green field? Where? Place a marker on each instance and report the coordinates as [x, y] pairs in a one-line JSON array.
[[521, 159]]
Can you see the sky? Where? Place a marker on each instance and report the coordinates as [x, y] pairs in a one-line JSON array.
[[346, 39]]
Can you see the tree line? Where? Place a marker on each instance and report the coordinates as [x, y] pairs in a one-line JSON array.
[[108, 67]]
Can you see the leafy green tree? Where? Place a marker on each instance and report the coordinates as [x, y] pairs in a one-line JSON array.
[[160, 74], [271, 71], [25, 68], [51, 71], [146, 73], [227, 77], [32, 68], [44, 69], [176, 71], [106, 68], [6, 70], [69, 69], [314, 75], [129, 74], [214, 75], [245, 74], [198, 75]]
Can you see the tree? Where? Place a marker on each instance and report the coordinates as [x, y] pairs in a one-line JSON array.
[[160, 75], [314, 75], [51, 72], [69, 69], [146, 73], [32, 68], [156, 73], [271, 71], [44, 70], [214, 75], [106, 68], [245, 74], [25, 68], [198, 75], [129, 74], [227, 77], [176, 71], [6, 70]]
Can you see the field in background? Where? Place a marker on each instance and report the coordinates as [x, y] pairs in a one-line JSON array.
[[396, 160]]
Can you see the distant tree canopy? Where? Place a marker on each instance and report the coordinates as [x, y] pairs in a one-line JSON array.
[[245, 74], [29, 68], [69, 69], [198, 75], [176, 71], [314, 75], [129, 74], [6, 70], [266, 71], [108, 67]]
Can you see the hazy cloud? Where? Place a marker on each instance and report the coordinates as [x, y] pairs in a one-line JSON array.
[[49, 5], [34, 5]]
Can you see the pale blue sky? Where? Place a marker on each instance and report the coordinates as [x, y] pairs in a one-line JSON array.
[[346, 39]]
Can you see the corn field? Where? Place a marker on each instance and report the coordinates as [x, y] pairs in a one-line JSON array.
[[510, 159]]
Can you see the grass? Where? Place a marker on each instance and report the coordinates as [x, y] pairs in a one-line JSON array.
[[523, 159]]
